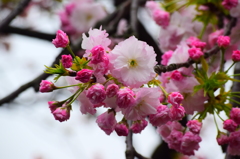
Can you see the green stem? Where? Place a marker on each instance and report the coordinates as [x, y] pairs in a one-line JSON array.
[[215, 122], [230, 67], [68, 86], [194, 116], [219, 116], [222, 60], [165, 93], [70, 50], [203, 30], [79, 91]]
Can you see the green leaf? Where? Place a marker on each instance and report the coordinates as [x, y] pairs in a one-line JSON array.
[[204, 64]]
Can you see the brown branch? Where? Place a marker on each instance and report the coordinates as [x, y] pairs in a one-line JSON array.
[[134, 20], [18, 10], [160, 68], [28, 32]]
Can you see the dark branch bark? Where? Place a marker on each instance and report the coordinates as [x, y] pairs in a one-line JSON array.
[[28, 32], [134, 20], [18, 10]]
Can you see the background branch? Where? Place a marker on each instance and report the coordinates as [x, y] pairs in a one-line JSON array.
[[18, 10]]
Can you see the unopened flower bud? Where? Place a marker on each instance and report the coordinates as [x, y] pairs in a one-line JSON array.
[[46, 86], [223, 41], [161, 117], [67, 61], [125, 98], [61, 39], [61, 114], [84, 75], [107, 122], [195, 53], [194, 126], [162, 18], [97, 54], [175, 98], [138, 126], [121, 129], [177, 113], [112, 90], [230, 125], [236, 55]]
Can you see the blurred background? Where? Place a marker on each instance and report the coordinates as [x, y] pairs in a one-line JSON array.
[[27, 128]]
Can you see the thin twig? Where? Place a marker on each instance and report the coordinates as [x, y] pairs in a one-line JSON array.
[[160, 68], [130, 151], [18, 10], [28, 32]]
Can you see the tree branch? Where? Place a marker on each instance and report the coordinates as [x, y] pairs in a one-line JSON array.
[[160, 68], [134, 20], [18, 10], [28, 32]]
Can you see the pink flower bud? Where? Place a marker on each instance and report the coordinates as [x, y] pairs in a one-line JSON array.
[[177, 113], [84, 75], [53, 105], [190, 142], [236, 55], [96, 93], [194, 126], [229, 125], [161, 117], [175, 98], [195, 42], [138, 126], [67, 61], [234, 143], [166, 56], [174, 139], [176, 75], [121, 129], [212, 38], [223, 41], [97, 54], [222, 138], [195, 53], [229, 4], [235, 115], [61, 39], [107, 122], [112, 90], [61, 114], [125, 98], [46, 86], [162, 18]]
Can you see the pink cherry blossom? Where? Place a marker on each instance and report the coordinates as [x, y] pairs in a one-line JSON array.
[[67, 61], [152, 5], [107, 122], [145, 104], [53, 105], [84, 75], [236, 55], [162, 18], [194, 126], [161, 117], [138, 126], [195, 42], [61, 39], [61, 114], [175, 98], [46, 86], [97, 54], [174, 140], [125, 98], [177, 113], [96, 37], [100, 68], [132, 62], [212, 38], [235, 115], [195, 53], [86, 105], [229, 4], [234, 143], [190, 142], [166, 56], [222, 138], [112, 90], [223, 41], [229, 125], [176, 75], [96, 93], [121, 129]]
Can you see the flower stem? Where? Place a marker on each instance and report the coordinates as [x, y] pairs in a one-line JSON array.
[[230, 67], [70, 50], [222, 60]]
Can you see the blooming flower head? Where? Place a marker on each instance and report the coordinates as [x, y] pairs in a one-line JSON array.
[[96, 93], [107, 122], [67, 61], [145, 104], [177, 113], [235, 115], [46, 86], [222, 138], [132, 62], [236, 55], [223, 41], [166, 56], [97, 54], [61, 39], [176, 75], [161, 117], [194, 126], [96, 37], [125, 98], [112, 90], [61, 114]]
